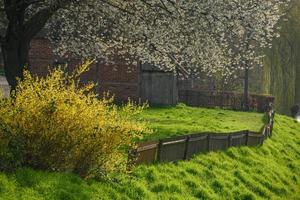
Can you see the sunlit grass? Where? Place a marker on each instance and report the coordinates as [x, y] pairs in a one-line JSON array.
[[268, 172], [182, 120]]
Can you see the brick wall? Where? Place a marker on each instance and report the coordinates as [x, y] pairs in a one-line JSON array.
[[40, 56], [120, 80]]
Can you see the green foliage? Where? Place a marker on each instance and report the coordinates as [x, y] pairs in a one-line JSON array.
[[268, 172], [281, 73], [182, 120], [53, 123]]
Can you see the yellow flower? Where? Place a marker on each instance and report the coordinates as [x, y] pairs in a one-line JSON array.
[[56, 124]]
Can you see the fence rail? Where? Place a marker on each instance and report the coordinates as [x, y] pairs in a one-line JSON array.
[[231, 100], [185, 147]]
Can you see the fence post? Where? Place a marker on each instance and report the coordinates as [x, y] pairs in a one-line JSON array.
[[132, 157], [186, 147], [158, 151], [271, 128], [229, 141], [208, 142], [265, 132], [247, 137]]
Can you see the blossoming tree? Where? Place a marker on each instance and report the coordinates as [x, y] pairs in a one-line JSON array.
[[214, 36]]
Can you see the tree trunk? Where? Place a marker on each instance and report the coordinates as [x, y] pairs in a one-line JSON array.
[[15, 45], [246, 90], [15, 52]]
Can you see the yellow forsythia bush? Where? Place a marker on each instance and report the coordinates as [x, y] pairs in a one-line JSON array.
[[53, 123]]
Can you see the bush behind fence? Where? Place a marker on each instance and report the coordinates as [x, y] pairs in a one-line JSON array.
[[185, 147]]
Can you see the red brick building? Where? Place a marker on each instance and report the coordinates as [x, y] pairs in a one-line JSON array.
[[116, 79], [124, 81]]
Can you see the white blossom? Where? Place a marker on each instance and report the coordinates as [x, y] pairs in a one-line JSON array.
[[186, 36]]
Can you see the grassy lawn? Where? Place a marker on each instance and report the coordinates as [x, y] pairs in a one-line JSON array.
[[182, 120], [268, 172]]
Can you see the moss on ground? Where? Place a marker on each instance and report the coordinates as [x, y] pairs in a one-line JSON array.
[[271, 171]]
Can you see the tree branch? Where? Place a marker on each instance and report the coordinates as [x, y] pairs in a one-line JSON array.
[[165, 7], [38, 21], [179, 68], [18, 5], [117, 7], [149, 5]]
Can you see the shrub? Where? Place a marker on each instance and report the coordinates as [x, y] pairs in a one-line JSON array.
[[55, 123]]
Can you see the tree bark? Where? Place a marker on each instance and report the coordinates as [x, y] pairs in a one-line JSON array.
[[246, 90], [15, 53], [15, 45]]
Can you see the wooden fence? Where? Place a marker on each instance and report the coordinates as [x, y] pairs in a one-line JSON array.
[[185, 147], [231, 100]]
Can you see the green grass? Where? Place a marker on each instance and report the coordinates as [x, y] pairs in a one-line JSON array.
[[268, 172], [182, 120]]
